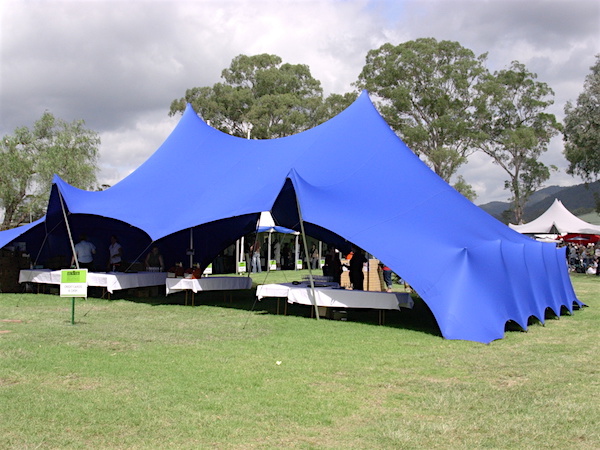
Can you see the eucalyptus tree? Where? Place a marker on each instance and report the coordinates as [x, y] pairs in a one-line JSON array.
[[518, 129], [426, 90], [333, 105], [582, 128], [30, 157], [260, 96]]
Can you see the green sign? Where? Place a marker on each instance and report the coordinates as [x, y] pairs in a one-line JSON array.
[[73, 276], [241, 266], [73, 283]]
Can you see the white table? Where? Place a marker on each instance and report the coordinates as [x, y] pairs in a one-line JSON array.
[[111, 281], [195, 285], [335, 297]]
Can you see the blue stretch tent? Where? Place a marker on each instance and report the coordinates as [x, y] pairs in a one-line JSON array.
[[354, 181], [14, 234]]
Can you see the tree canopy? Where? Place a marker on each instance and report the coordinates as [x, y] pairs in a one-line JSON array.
[[582, 128], [261, 97], [426, 91], [517, 129], [30, 157]]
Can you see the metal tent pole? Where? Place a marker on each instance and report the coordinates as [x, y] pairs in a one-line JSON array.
[[68, 228], [310, 276]]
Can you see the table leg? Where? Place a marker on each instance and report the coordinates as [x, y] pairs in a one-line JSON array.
[[382, 317]]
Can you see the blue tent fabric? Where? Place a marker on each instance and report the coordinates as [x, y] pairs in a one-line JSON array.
[[275, 229], [14, 234], [354, 181]]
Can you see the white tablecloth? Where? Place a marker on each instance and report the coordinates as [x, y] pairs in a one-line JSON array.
[[112, 281], [335, 297], [207, 284]]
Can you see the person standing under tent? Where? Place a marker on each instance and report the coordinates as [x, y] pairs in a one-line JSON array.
[[255, 251], [333, 265], [357, 276], [154, 260], [277, 253], [387, 277], [85, 252], [287, 256], [314, 257], [115, 252]]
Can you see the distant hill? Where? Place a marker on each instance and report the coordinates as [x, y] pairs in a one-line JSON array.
[[593, 218], [578, 199]]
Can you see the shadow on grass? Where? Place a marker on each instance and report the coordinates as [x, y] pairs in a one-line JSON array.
[[419, 318]]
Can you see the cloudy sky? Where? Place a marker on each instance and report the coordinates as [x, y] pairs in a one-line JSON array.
[[118, 64]]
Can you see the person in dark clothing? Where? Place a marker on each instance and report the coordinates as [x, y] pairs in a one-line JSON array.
[[333, 265], [356, 269], [154, 260]]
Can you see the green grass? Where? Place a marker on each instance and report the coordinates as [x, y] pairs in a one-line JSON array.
[[152, 373]]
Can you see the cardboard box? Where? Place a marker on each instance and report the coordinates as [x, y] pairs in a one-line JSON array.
[[373, 278]]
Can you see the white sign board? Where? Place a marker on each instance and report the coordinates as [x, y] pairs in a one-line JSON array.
[[73, 283]]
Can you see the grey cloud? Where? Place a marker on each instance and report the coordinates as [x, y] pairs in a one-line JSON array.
[[119, 64], [87, 60]]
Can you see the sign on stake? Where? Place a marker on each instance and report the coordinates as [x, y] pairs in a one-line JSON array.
[[73, 283]]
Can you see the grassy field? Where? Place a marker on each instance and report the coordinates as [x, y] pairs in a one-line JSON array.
[[152, 373]]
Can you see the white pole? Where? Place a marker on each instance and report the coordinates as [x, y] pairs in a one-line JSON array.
[[296, 252], [242, 253], [236, 255], [269, 252], [320, 253]]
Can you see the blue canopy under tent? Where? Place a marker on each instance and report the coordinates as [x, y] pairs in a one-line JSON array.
[[352, 180]]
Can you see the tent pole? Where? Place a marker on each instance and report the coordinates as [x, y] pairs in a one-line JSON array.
[[243, 253], [296, 252], [310, 276], [320, 253], [269, 250], [237, 255], [62, 204]]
